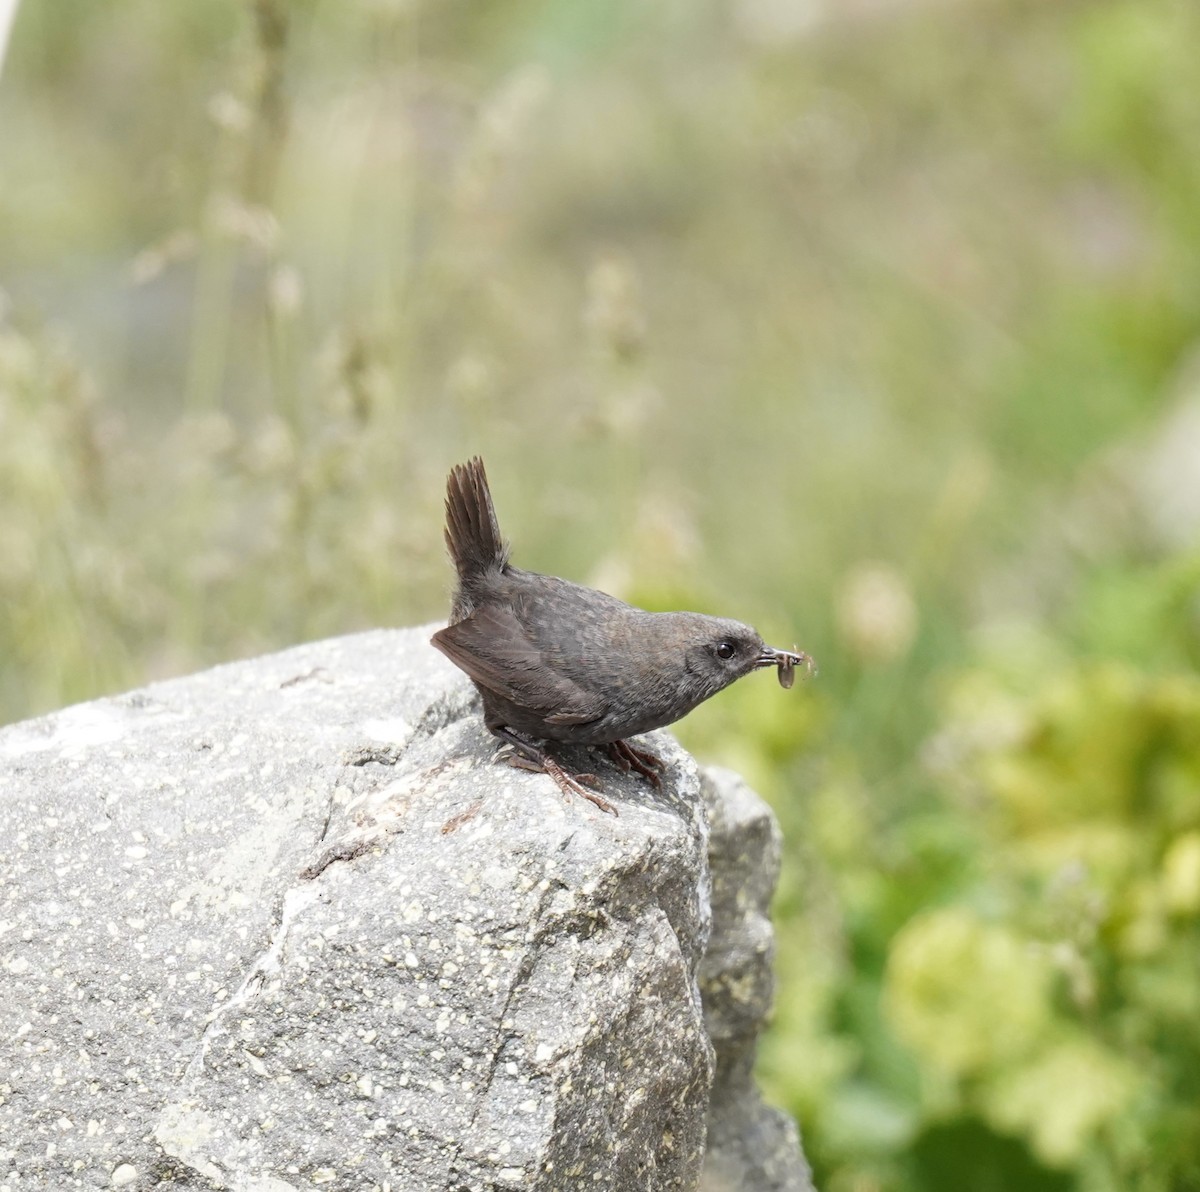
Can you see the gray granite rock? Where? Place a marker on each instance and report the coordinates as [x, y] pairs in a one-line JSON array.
[[750, 1147], [283, 925]]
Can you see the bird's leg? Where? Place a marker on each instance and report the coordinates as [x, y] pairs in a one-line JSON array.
[[529, 756], [629, 757]]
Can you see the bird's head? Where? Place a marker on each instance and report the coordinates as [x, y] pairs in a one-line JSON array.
[[718, 651]]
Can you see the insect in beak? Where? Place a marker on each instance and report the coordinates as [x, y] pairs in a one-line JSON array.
[[786, 661]]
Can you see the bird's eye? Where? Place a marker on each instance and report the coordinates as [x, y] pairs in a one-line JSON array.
[[726, 649]]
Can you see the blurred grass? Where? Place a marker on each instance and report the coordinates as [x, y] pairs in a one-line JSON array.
[[851, 321]]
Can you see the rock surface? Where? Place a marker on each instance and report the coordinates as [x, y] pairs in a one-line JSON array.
[[749, 1145], [282, 925]]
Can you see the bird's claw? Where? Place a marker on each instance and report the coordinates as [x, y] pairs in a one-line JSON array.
[[524, 756], [640, 761]]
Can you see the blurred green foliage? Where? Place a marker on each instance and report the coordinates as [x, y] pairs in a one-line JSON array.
[[868, 323]]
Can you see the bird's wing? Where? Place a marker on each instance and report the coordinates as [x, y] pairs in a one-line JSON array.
[[493, 648]]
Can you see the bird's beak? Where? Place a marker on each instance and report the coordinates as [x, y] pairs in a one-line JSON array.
[[769, 656], [785, 660]]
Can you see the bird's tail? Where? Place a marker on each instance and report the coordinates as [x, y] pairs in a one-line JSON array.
[[472, 532]]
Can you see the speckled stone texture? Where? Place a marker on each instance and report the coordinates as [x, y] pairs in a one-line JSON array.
[[750, 1146], [283, 925]]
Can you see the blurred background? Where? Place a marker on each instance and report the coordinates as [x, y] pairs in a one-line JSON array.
[[871, 322]]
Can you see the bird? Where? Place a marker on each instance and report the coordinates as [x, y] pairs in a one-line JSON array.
[[554, 661]]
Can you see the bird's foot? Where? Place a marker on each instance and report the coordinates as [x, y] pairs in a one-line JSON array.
[[525, 755], [519, 761], [640, 761], [572, 784]]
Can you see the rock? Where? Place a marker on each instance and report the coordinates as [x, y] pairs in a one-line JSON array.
[[750, 1146], [283, 925]]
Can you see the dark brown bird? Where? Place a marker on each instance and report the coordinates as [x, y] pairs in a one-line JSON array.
[[555, 661]]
